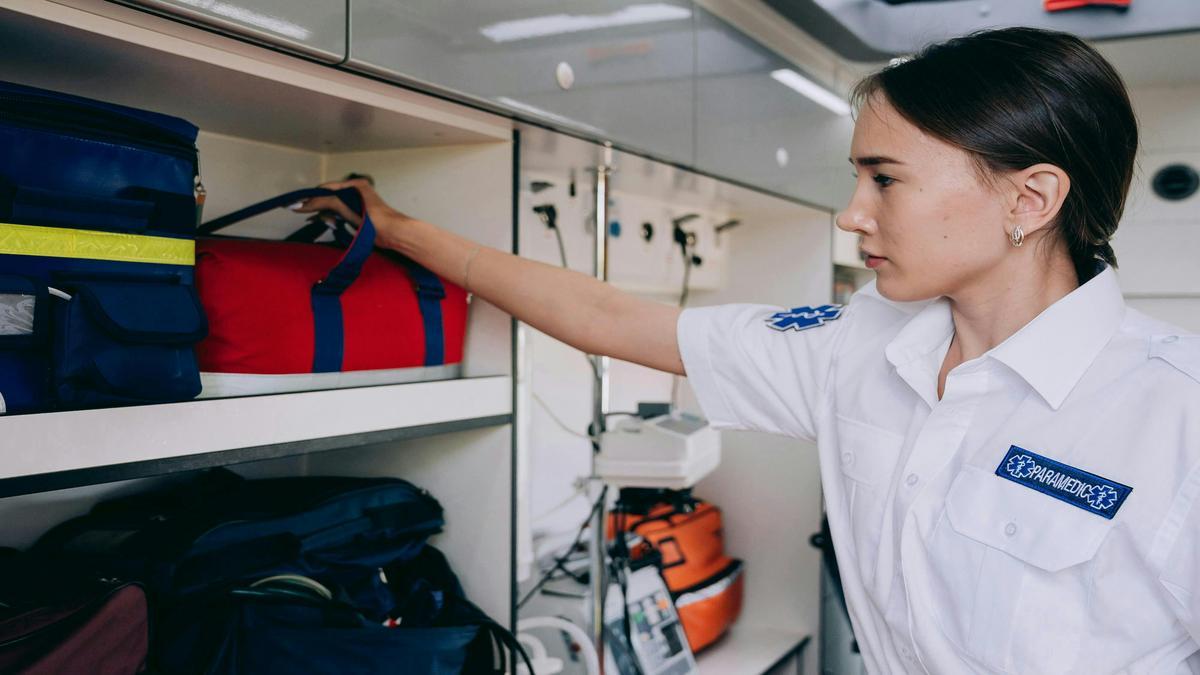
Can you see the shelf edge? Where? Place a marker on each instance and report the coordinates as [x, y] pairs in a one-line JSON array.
[[70, 478]]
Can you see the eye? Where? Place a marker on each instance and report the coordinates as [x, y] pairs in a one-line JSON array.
[[884, 180]]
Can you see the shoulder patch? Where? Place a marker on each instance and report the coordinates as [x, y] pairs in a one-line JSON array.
[[1181, 351], [802, 318]]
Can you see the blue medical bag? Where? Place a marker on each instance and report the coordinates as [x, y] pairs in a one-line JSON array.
[[97, 225], [232, 565]]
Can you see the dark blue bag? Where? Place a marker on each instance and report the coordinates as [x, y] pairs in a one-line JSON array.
[[97, 224], [204, 550], [286, 627]]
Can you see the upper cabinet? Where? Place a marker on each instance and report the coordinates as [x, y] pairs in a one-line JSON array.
[[314, 28], [617, 70], [662, 78], [758, 120]]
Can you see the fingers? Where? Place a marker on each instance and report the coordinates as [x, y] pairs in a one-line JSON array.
[[371, 199], [318, 204]]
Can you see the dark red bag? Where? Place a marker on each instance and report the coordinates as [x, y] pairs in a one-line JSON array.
[[295, 307], [54, 621]]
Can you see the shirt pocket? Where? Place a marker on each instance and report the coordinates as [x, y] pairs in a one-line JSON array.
[[867, 454], [867, 457], [1017, 564]]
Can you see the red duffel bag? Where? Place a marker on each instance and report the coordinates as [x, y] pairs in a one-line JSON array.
[[56, 619], [290, 315]]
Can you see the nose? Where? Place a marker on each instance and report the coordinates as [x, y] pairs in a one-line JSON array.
[[852, 220], [856, 218]]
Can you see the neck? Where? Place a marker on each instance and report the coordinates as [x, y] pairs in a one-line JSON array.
[[1007, 298]]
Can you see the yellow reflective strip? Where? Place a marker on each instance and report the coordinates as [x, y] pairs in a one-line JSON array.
[[60, 242]]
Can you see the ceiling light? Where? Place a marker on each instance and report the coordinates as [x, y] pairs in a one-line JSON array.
[[560, 24], [812, 90]]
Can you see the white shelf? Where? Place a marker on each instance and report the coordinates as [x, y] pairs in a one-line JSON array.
[[749, 650], [161, 438]]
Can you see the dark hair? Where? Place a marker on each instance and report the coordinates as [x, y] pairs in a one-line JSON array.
[[1016, 97]]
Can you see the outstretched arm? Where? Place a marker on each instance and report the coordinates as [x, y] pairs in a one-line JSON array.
[[587, 314]]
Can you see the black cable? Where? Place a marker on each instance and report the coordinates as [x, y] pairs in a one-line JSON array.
[[683, 298], [560, 560], [550, 220], [562, 249], [687, 275]]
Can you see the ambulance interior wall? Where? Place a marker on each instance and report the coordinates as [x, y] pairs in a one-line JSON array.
[[465, 188], [768, 487], [1158, 241]]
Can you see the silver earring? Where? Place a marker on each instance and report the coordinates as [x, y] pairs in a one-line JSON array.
[[1017, 237]]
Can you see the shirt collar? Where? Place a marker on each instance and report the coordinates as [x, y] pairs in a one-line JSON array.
[[1051, 352]]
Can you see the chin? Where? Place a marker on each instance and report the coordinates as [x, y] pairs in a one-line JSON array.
[[897, 290]]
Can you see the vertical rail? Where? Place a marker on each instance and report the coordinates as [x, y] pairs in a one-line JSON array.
[[600, 404]]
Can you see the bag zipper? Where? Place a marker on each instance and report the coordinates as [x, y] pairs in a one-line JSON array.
[[100, 125], [732, 569]]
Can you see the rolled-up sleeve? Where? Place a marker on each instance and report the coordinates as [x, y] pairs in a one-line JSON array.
[[749, 375]]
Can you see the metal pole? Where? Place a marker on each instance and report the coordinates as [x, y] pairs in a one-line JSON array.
[[600, 404]]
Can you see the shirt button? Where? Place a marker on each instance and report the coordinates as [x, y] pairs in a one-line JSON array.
[[1171, 338], [847, 458], [912, 479], [1010, 529]]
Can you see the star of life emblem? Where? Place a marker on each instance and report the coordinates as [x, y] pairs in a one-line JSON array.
[[1063, 482], [803, 318]]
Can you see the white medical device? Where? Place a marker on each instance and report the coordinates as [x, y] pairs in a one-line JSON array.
[[670, 451], [659, 645]]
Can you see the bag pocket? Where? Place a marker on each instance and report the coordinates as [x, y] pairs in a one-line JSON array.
[[709, 608], [127, 342], [24, 371]]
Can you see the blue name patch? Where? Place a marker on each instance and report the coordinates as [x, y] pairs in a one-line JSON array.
[[1076, 487], [800, 318]]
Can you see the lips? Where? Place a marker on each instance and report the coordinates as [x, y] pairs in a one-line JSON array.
[[873, 261]]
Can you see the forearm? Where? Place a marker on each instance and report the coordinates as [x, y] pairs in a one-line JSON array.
[[575, 308]]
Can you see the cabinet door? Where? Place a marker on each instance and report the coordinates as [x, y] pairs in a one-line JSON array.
[[617, 70], [315, 28], [754, 129]]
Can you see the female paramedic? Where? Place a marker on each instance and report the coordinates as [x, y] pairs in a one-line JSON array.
[[1010, 456]]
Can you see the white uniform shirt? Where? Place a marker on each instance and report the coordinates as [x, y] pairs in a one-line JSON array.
[[1042, 517]]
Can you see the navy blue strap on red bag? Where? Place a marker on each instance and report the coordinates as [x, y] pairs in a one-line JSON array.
[[349, 196], [328, 329]]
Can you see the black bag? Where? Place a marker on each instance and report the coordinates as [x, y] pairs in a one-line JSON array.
[[290, 575]]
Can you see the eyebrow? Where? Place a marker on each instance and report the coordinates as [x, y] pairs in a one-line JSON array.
[[874, 161]]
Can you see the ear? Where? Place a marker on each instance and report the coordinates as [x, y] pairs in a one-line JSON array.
[[1040, 191]]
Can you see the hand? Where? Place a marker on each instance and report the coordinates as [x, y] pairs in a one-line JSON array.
[[390, 224]]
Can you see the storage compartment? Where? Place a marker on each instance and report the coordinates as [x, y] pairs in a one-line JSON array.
[[270, 123], [467, 472]]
